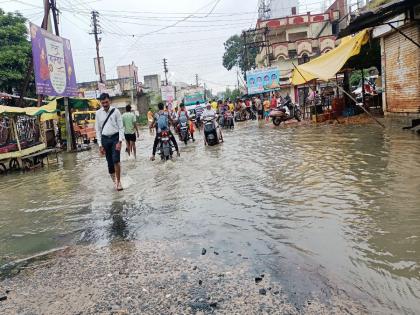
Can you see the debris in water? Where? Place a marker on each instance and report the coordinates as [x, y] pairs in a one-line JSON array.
[[263, 291], [258, 279]]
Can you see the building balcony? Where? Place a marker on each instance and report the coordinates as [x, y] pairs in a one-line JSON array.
[[298, 20]]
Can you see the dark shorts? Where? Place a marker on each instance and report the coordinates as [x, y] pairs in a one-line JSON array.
[[130, 137], [112, 155], [260, 112]]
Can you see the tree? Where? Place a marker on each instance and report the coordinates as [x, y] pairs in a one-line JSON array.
[[235, 54], [232, 94], [15, 51]]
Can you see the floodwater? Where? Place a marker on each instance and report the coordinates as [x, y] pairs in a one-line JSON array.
[[321, 208]]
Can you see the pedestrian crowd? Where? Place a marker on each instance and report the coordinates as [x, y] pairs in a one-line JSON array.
[[112, 127]]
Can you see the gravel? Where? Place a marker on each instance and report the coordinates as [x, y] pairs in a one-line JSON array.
[[147, 277]]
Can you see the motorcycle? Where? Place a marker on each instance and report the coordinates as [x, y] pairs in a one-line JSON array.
[[228, 120], [184, 132], [212, 132], [280, 114], [242, 115], [165, 146]]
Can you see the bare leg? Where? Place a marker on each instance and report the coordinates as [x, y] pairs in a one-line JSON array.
[[133, 147], [128, 147], [117, 172]]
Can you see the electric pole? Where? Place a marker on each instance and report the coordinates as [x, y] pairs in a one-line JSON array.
[[96, 31], [196, 79], [165, 69], [245, 55]]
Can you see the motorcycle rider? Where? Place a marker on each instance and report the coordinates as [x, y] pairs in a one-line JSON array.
[[183, 117], [161, 122], [209, 112], [198, 112]]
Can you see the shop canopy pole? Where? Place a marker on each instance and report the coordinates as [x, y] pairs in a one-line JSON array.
[[15, 130]]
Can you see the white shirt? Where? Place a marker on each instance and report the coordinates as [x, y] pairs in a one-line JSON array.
[[208, 113], [113, 126]]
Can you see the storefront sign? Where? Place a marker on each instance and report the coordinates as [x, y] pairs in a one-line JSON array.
[[53, 64]]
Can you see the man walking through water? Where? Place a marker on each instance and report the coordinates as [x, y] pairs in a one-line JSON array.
[[110, 134], [130, 130]]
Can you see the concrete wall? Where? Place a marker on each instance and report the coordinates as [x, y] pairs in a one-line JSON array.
[[152, 82]]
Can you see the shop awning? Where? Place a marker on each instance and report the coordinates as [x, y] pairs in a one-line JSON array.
[[327, 65], [30, 111]]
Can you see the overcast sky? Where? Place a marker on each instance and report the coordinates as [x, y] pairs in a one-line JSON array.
[[192, 42]]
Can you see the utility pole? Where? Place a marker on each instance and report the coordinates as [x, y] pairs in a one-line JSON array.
[[196, 79], [96, 31], [165, 70], [267, 45], [237, 78], [205, 93]]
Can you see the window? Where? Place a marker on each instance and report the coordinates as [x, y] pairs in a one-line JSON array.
[[297, 36], [304, 59], [292, 54]]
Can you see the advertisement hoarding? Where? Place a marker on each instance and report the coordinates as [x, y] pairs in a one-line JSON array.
[[262, 80], [53, 64], [192, 99], [168, 93]]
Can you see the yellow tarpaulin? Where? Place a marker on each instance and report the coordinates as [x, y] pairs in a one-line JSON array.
[[326, 66], [30, 111]]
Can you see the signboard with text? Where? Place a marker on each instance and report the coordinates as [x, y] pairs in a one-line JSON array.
[[53, 64], [168, 93], [192, 99], [262, 80]]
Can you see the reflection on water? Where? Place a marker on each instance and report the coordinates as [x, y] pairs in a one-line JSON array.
[[316, 206]]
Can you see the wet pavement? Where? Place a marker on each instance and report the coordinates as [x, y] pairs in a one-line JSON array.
[[321, 209]]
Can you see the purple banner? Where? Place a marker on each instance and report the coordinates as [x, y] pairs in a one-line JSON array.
[[53, 64]]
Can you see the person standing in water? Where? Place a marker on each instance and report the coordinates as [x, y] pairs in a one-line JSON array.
[[130, 130], [110, 134]]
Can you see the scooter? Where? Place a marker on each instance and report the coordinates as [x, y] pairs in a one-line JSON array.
[[212, 132], [165, 146], [280, 114]]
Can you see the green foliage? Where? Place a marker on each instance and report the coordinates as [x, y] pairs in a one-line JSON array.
[[356, 76], [232, 94], [235, 54], [142, 120], [15, 51]]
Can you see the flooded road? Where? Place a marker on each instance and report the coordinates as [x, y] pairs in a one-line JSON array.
[[319, 208]]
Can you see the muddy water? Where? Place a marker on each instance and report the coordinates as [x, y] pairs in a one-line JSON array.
[[320, 208]]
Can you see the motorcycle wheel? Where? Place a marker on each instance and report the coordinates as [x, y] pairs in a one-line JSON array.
[[3, 168], [276, 121]]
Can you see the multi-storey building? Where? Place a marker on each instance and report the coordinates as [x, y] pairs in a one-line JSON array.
[[296, 39]]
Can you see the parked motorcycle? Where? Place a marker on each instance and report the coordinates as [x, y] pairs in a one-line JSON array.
[[242, 115], [280, 114], [212, 132], [165, 146]]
